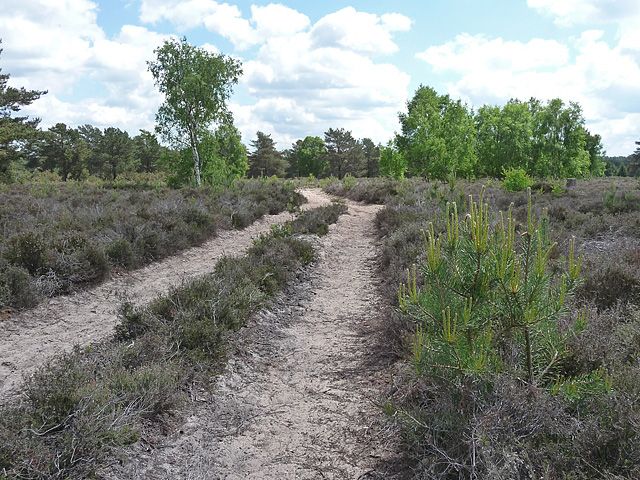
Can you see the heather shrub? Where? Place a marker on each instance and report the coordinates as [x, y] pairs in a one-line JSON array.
[[610, 279], [68, 235], [79, 409], [616, 201], [368, 190], [317, 220], [120, 253], [481, 400], [29, 251], [17, 288]]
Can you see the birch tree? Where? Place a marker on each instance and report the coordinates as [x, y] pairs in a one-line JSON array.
[[196, 85]]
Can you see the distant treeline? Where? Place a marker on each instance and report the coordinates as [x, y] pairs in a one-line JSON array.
[[628, 166], [440, 137]]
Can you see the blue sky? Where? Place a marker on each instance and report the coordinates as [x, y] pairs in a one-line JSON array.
[[314, 65]]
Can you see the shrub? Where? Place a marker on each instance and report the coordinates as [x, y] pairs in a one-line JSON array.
[[619, 202], [61, 233], [579, 419], [28, 250], [81, 407], [611, 280], [317, 220], [516, 180], [120, 253], [16, 287], [489, 302]]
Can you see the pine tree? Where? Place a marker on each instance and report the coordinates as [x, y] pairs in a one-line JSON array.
[[265, 160], [344, 153], [14, 130]]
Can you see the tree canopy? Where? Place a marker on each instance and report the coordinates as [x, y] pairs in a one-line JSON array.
[[438, 136], [442, 137], [345, 155], [308, 157], [265, 160], [196, 85], [14, 129]]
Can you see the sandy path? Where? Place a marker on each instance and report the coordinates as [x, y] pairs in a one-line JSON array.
[[294, 401], [31, 337]]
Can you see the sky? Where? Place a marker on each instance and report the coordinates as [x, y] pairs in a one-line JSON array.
[[313, 65]]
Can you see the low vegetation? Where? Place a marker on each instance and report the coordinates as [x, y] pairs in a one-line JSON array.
[[317, 220], [80, 408], [58, 237], [519, 329]]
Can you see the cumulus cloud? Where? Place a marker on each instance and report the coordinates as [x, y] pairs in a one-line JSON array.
[[359, 31], [588, 70], [226, 19], [467, 53], [304, 77], [59, 47], [573, 12], [275, 19], [314, 79]]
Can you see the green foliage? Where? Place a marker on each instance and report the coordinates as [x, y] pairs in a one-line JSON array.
[[392, 163], [438, 136], [14, 130], [441, 137], [345, 155], [223, 159], [504, 137], [265, 160], [576, 421], [489, 302], [560, 140], [64, 151], [308, 157], [371, 157], [147, 151], [634, 164], [516, 180], [117, 151], [196, 85]]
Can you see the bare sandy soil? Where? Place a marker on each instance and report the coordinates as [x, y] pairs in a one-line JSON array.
[[295, 400], [32, 337]]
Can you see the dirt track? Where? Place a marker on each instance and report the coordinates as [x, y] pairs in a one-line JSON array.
[[32, 337], [294, 401]]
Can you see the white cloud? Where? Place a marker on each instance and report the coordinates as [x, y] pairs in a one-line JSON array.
[[467, 53], [305, 78], [573, 12], [601, 77], [59, 47], [222, 18], [345, 28], [305, 86], [300, 83], [359, 31], [275, 19], [48, 43]]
